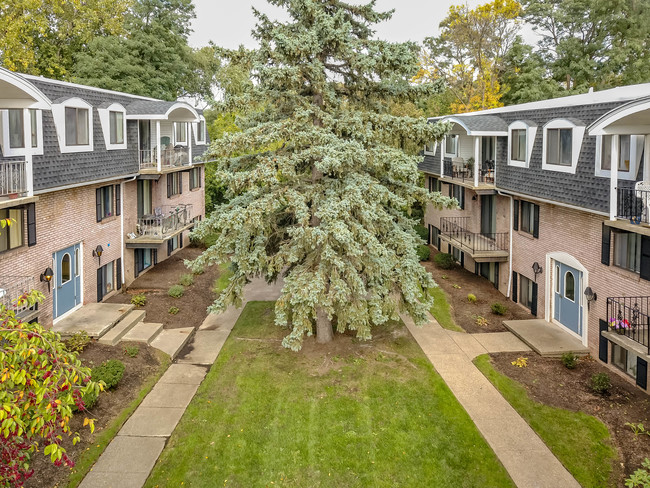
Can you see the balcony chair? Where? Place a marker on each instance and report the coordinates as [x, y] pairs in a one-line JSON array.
[[458, 165]]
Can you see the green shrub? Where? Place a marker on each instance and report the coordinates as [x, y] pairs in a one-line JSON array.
[[423, 232], [176, 291], [424, 252], [78, 341], [498, 309], [131, 351], [139, 300], [569, 360], [187, 280], [471, 298], [174, 310], [110, 372], [198, 270], [444, 260], [600, 383], [89, 399], [641, 477]]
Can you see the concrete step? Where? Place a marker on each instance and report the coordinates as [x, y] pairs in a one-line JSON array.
[[113, 336], [143, 332], [171, 341]]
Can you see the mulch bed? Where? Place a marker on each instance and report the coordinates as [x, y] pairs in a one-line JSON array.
[[138, 369], [549, 382], [465, 313], [156, 282]]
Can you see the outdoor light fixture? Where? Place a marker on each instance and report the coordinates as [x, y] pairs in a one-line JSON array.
[[537, 269], [590, 296], [47, 276], [98, 252]]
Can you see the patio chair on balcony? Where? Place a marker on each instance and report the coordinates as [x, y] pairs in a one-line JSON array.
[[642, 192], [488, 170], [458, 165]]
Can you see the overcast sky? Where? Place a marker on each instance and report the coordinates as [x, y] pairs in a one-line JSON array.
[[228, 23]]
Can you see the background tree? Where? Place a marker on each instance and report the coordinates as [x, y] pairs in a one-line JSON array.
[[151, 57], [469, 54], [42, 37], [40, 383], [327, 206]]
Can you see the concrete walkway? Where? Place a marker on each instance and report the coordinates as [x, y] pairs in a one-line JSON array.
[[526, 458], [131, 455]]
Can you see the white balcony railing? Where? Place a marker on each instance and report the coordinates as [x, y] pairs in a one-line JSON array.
[[172, 157], [13, 178]]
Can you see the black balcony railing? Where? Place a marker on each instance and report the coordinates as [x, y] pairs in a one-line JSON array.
[[456, 229], [634, 205], [628, 316]]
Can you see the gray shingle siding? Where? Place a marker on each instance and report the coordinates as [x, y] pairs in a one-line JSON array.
[[583, 189]]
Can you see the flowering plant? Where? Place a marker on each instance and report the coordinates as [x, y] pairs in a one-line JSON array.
[[619, 324]]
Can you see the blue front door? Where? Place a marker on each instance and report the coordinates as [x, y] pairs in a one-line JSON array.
[[567, 296], [67, 274]]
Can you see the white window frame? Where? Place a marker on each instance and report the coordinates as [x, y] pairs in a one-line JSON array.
[[105, 120], [577, 136], [198, 137], [58, 113], [8, 151], [531, 133], [180, 143], [636, 151], [435, 148], [454, 154]]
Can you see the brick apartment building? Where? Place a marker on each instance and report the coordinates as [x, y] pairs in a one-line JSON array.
[[555, 212], [101, 185]]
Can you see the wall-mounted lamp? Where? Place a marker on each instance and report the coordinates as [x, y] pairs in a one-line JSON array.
[[98, 253], [537, 269], [47, 276], [590, 296]]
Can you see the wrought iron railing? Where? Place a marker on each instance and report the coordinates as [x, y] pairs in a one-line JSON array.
[[634, 205], [164, 221], [628, 316], [465, 173], [456, 229], [13, 178], [11, 289]]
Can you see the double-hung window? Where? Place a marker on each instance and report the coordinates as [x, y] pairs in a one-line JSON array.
[[559, 146], [451, 145], [562, 145], [15, 119], [200, 132], [174, 184], [180, 132], [108, 201], [526, 291], [116, 124], [195, 178], [518, 145], [526, 217], [627, 251], [76, 126], [16, 129], [434, 184], [12, 236]]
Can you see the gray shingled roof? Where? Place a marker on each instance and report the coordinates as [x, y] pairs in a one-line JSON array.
[[150, 107], [481, 123]]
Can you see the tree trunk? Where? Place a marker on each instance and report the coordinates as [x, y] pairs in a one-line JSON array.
[[324, 331]]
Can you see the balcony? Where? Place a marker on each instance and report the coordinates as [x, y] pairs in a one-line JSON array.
[[13, 179], [12, 288], [164, 223], [482, 247], [459, 169], [632, 313], [634, 204], [170, 158]]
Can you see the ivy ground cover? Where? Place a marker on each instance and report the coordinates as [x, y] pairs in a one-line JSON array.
[[346, 414]]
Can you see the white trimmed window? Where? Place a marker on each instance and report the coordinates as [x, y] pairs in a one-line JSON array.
[[630, 151], [451, 145], [74, 125], [562, 144], [180, 133], [627, 250], [430, 147], [199, 131], [15, 140], [521, 137], [113, 120]]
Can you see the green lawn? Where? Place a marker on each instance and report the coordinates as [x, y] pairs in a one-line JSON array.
[[441, 311], [361, 415], [580, 441], [225, 273]]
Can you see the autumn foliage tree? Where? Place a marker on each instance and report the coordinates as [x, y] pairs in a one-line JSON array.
[[40, 383], [319, 189]]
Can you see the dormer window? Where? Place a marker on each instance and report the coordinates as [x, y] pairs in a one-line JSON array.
[[113, 122], [14, 137], [76, 126], [451, 145], [562, 144], [430, 147], [200, 132], [73, 119], [522, 137]]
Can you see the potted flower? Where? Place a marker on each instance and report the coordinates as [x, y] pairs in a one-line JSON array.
[[619, 325]]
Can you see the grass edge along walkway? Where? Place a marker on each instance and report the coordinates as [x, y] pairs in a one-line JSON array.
[[580, 442], [441, 310], [266, 416]]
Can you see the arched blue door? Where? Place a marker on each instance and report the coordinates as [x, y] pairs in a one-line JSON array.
[[568, 297], [67, 280]]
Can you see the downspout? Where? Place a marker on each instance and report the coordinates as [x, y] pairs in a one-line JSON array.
[[512, 210]]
